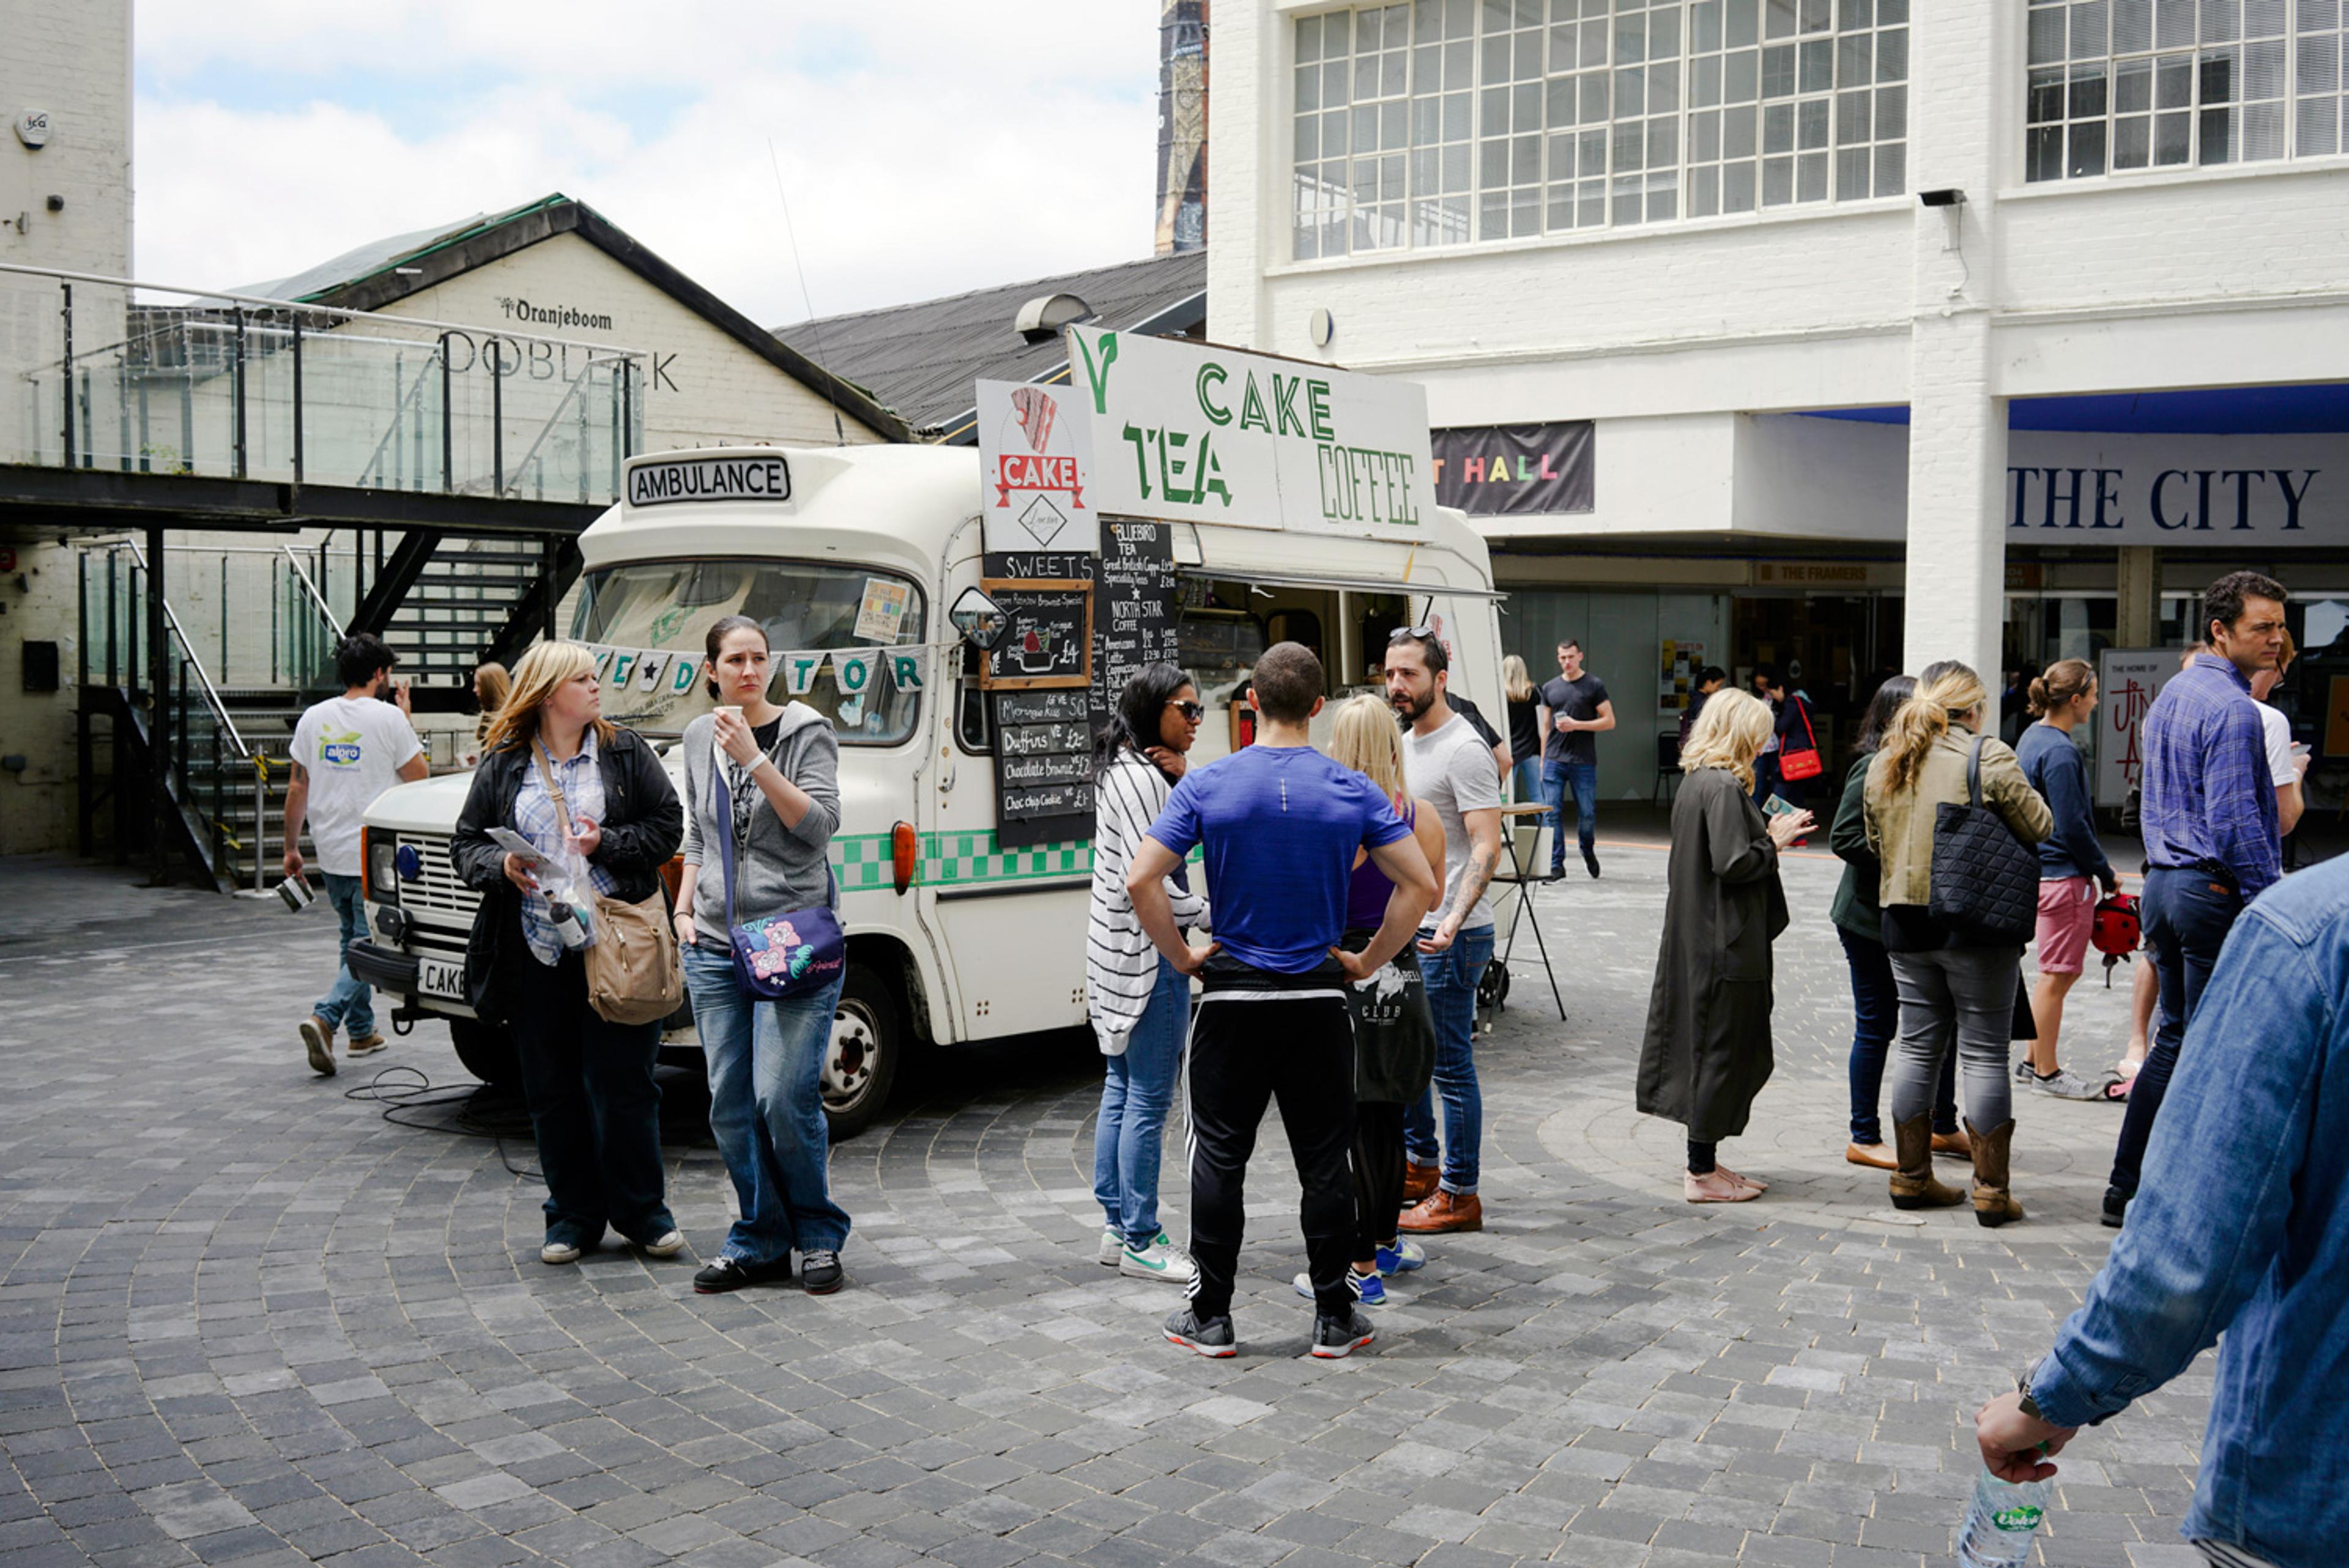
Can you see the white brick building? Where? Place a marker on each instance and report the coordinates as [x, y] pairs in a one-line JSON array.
[[2108, 374]]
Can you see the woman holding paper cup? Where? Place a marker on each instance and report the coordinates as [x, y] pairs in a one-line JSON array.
[[774, 774], [564, 803]]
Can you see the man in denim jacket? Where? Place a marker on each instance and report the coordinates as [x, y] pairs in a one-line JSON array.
[[2242, 1229]]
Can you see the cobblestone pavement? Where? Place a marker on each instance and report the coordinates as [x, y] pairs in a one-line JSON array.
[[242, 1317]]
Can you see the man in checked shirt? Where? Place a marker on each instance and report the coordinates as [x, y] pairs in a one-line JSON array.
[[2208, 818]]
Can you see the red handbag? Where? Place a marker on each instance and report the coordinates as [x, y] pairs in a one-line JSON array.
[[1794, 765]]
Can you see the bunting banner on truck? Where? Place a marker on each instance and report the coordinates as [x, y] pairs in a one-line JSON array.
[[851, 669], [855, 670]]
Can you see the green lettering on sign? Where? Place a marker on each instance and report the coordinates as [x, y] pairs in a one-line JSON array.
[[1212, 373], [1098, 375]]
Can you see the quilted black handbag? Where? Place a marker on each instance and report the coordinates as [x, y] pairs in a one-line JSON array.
[[1986, 880]]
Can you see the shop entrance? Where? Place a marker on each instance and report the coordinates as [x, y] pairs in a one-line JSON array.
[[1835, 648]]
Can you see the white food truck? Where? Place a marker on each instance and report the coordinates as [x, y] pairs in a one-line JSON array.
[[850, 557]]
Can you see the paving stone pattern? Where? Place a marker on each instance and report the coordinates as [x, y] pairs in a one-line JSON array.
[[244, 1318]]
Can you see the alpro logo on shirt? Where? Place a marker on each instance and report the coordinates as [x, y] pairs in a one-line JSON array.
[[340, 747]]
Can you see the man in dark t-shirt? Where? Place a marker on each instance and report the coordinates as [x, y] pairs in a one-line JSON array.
[[1279, 823], [1574, 708]]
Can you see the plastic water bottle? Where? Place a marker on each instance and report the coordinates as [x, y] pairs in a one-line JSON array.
[[2000, 1521]]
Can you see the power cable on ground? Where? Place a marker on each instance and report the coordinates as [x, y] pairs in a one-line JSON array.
[[480, 1111]]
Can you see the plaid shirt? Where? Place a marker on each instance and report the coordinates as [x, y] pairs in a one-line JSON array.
[[2209, 796], [535, 818]]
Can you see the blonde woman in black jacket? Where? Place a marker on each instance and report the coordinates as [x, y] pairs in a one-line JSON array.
[[594, 1106]]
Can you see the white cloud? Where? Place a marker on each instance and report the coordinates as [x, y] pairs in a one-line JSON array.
[[927, 147]]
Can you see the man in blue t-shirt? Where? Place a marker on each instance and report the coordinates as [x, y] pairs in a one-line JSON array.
[[1279, 823]]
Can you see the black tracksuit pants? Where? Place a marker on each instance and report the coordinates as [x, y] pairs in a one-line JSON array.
[[1248, 1049]]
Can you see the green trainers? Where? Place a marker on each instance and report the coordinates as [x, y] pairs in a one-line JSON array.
[[1162, 1260]]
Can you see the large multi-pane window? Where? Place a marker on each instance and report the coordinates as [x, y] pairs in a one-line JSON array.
[[1444, 121], [2117, 86]]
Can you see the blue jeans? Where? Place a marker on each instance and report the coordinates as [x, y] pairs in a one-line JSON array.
[[766, 1109], [1582, 778], [350, 1003], [2187, 919], [1875, 1019], [1452, 978], [1137, 1087], [1526, 781]]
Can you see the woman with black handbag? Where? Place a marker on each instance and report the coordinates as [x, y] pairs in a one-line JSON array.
[[592, 800], [763, 958], [1951, 820]]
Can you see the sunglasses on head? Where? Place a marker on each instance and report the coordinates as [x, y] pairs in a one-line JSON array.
[[1416, 633], [1194, 711]]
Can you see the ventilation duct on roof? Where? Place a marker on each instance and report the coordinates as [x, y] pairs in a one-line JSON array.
[[1044, 316]]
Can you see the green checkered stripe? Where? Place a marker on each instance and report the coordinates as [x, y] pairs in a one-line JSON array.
[[862, 861]]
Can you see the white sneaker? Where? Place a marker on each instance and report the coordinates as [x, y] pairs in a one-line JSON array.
[[558, 1252], [1162, 1260], [2067, 1084], [2024, 1072], [668, 1244], [1112, 1246]]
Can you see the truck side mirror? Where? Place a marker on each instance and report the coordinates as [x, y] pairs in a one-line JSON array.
[[977, 619]]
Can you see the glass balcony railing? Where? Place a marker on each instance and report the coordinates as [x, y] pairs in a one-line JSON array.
[[107, 373]]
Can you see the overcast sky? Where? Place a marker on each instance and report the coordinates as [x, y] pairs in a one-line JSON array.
[[927, 147]]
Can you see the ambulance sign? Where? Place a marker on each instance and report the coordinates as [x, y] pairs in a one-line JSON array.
[[1036, 458]]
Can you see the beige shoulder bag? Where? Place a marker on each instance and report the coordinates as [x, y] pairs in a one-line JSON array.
[[634, 975]]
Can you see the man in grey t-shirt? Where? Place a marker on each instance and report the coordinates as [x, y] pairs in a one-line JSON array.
[[1449, 770]]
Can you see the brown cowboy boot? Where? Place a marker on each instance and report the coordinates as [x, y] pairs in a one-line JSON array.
[[1913, 1186], [1994, 1204]]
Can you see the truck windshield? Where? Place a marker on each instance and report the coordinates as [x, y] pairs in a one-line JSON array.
[[648, 623]]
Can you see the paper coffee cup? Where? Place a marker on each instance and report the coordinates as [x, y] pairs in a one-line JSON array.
[[732, 708]]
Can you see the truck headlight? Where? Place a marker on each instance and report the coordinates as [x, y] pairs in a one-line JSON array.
[[380, 851]]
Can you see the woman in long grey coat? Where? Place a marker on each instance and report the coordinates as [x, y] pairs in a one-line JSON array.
[[1707, 1053]]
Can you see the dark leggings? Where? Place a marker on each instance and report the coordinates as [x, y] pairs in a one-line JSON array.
[[1701, 1160], [1378, 1173]]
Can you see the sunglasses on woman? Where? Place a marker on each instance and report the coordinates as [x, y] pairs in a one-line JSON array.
[[1191, 711]]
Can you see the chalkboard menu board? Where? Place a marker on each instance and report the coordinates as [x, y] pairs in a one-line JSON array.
[[1047, 633], [1044, 721], [1134, 607], [1043, 762]]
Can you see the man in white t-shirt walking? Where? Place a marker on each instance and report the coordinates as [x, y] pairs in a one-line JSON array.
[[347, 751], [1448, 768], [2286, 767]]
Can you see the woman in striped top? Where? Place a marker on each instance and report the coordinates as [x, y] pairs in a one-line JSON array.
[[1140, 1003]]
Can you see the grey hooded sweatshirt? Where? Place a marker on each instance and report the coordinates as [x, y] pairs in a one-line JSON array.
[[776, 868]]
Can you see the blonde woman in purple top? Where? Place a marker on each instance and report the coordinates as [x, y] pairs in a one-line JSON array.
[[1394, 1035]]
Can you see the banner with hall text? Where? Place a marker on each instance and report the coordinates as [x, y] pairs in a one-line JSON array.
[[1515, 471]]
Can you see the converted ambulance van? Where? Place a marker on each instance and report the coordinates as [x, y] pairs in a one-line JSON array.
[[952, 937]]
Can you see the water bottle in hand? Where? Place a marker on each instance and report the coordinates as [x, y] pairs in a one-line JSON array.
[[2000, 1521]]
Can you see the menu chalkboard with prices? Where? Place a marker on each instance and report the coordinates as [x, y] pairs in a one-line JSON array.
[[1047, 633], [1135, 609], [1043, 766]]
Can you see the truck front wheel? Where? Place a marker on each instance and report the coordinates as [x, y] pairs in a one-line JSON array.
[[860, 1061], [487, 1052]]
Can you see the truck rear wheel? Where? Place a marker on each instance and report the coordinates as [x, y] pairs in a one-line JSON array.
[[860, 1061], [487, 1052]]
